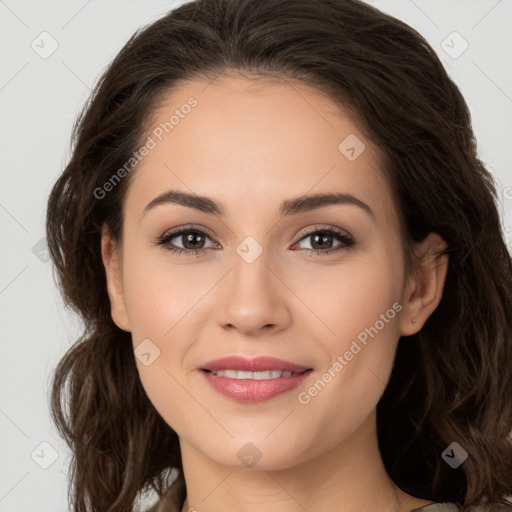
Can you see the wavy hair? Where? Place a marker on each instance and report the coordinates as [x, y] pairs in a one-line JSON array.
[[451, 381]]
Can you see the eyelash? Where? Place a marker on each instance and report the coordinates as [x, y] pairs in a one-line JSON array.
[[346, 241]]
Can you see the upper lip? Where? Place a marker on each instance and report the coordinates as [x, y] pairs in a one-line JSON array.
[[256, 364]]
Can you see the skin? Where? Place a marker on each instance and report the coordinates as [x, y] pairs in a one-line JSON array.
[[250, 145]]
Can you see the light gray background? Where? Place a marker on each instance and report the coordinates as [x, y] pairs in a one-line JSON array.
[[39, 99]]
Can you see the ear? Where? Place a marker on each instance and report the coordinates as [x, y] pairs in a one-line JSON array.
[[111, 255], [424, 288]]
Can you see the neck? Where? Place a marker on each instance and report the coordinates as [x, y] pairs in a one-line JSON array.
[[349, 477]]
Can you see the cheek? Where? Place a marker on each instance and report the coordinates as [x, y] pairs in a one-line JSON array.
[[344, 299], [361, 309], [157, 295], [368, 317], [163, 304]]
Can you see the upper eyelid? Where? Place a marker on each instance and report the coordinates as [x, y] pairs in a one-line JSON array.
[[336, 230], [181, 230]]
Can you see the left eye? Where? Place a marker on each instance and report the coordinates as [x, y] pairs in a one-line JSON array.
[[323, 237]]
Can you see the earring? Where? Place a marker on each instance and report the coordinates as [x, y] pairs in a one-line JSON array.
[[414, 320]]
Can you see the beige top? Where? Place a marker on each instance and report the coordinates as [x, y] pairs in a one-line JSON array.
[[451, 507]]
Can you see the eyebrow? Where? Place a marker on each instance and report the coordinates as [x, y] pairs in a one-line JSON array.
[[288, 207]]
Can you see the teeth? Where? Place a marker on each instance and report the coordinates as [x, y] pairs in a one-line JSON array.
[[268, 374]]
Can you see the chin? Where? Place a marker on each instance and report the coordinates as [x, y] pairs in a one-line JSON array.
[[258, 454]]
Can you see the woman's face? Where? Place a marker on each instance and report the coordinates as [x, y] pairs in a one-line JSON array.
[[257, 288]]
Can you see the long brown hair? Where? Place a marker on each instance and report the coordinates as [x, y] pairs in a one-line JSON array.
[[452, 381]]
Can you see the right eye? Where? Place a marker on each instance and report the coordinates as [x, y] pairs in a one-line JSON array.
[[188, 236]]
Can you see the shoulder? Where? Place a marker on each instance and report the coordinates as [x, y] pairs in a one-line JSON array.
[[452, 507], [438, 507]]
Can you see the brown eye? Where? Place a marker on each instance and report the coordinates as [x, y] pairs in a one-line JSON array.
[[192, 241], [322, 240]]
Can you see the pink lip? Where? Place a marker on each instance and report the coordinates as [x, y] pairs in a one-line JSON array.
[[249, 390], [258, 364]]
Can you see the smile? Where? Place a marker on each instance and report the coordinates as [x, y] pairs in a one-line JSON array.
[[261, 375]]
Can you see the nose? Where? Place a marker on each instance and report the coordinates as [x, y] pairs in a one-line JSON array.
[[253, 298]]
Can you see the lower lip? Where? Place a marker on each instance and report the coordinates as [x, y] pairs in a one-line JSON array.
[[251, 390]]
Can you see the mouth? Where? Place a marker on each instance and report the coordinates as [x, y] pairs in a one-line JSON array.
[[253, 380]]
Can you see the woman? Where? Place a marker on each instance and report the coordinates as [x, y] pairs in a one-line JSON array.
[[288, 258]]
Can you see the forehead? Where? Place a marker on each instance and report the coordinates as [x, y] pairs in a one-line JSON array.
[[256, 142]]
